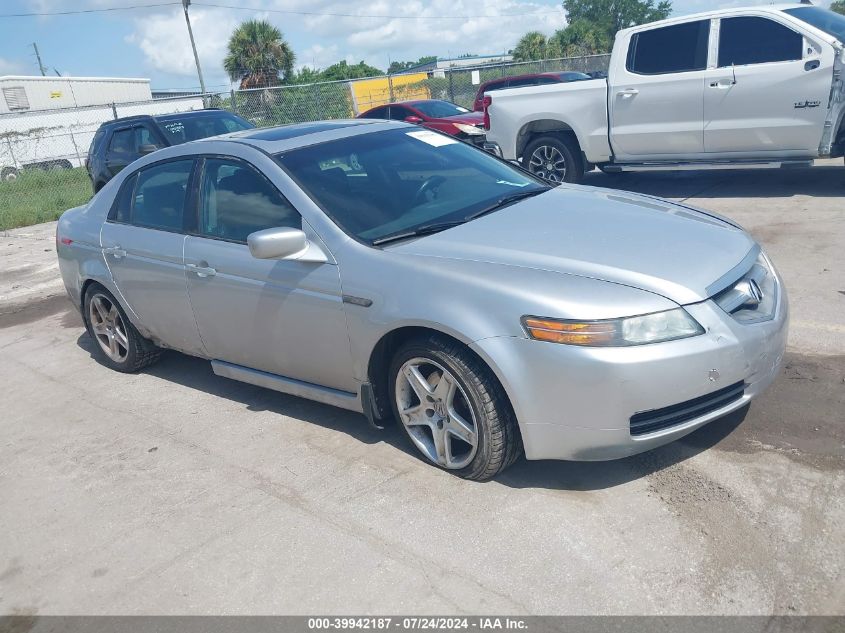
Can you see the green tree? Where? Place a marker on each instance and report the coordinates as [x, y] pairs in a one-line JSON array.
[[258, 56], [838, 6], [581, 38], [398, 67], [531, 46], [613, 15], [342, 70]]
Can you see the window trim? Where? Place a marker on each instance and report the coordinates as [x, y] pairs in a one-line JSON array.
[[717, 50], [190, 195], [633, 40], [198, 198]]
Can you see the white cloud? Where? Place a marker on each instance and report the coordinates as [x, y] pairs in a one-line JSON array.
[[11, 67], [163, 38]]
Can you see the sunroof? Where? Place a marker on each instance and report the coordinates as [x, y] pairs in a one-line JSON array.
[[298, 129]]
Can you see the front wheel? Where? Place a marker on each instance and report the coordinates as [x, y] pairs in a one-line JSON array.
[[555, 159], [118, 344], [453, 408]]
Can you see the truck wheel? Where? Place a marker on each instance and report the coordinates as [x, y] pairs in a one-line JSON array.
[[8, 174], [119, 345], [555, 159], [453, 408]]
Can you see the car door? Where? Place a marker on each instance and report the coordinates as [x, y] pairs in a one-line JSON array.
[[143, 240], [768, 89], [656, 94], [121, 150], [279, 316]]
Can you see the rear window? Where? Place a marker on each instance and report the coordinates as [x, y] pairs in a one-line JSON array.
[[191, 127], [669, 49]]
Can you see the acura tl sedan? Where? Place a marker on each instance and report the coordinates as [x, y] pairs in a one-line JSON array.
[[400, 273]]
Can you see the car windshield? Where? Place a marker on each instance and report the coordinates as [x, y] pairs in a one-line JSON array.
[[190, 127], [439, 109], [403, 180], [823, 19]]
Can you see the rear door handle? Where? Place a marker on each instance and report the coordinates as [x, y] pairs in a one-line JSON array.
[[628, 92], [115, 251], [201, 271]]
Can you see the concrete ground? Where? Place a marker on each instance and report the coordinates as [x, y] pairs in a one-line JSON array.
[[176, 491]]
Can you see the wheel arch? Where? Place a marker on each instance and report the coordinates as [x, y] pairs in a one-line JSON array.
[[544, 127], [390, 342]]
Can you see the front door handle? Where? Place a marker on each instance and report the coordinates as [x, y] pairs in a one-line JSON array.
[[723, 84], [115, 251], [201, 271]]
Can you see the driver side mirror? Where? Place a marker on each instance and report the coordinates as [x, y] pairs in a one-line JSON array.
[[284, 243], [147, 148], [413, 119]]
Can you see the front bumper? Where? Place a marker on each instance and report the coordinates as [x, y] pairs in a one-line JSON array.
[[577, 402]]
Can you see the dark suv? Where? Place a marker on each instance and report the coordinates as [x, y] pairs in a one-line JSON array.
[[117, 143]]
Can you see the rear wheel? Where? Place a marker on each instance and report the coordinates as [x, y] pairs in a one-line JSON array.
[[555, 159], [453, 408], [118, 344]]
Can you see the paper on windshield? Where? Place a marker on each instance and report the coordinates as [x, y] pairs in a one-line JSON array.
[[432, 138]]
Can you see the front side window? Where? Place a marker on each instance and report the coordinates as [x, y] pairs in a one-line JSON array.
[[144, 136], [375, 113], [237, 201], [399, 113], [751, 40], [669, 49], [382, 184], [159, 199]]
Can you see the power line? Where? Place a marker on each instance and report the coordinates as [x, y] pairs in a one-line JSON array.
[[80, 11], [282, 11], [384, 17]]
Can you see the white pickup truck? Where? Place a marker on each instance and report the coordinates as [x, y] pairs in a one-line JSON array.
[[733, 87]]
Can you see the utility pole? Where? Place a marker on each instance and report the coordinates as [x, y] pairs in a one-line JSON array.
[[38, 57], [185, 5]]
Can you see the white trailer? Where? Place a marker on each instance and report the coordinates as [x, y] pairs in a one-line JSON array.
[[48, 122]]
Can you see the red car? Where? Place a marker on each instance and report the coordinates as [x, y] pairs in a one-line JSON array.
[[517, 81], [435, 114]]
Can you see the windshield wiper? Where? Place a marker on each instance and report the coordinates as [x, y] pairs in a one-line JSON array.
[[436, 227], [505, 201], [425, 229]]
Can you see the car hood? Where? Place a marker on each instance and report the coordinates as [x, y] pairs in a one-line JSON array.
[[647, 243], [470, 118]]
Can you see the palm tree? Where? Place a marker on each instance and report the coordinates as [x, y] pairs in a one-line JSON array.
[[258, 56], [531, 47]]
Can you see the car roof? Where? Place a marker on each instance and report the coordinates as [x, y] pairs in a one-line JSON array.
[[286, 137], [164, 117]]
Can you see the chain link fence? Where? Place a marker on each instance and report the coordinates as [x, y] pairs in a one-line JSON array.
[[42, 153]]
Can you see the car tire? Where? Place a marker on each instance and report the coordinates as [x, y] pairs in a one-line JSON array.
[[117, 344], [560, 152], [439, 424]]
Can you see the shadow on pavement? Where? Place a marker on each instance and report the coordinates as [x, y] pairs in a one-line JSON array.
[[819, 181], [196, 373]]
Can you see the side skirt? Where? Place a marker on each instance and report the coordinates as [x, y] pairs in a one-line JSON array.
[[291, 386]]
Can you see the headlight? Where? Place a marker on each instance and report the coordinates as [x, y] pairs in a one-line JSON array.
[[469, 129], [638, 330]]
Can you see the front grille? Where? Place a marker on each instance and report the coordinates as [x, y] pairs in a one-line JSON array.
[[658, 419]]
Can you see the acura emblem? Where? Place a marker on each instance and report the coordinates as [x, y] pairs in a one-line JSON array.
[[751, 291]]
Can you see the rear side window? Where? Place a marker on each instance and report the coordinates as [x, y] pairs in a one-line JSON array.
[[670, 49], [122, 208], [377, 113], [159, 195], [750, 40], [122, 141], [523, 81], [237, 201]]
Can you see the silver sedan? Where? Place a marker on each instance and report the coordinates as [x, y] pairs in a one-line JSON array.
[[405, 275]]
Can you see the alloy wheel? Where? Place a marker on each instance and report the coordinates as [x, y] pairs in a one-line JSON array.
[[436, 413], [548, 163], [108, 327]]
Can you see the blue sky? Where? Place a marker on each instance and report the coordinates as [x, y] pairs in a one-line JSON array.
[[152, 42]]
